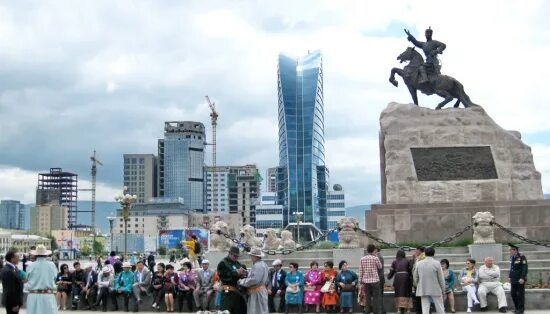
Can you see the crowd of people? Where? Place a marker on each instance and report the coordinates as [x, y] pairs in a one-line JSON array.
[[420, 283]]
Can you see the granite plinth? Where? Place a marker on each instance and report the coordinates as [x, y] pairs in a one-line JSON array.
[[480, 251], [457, 142], [426, 223]]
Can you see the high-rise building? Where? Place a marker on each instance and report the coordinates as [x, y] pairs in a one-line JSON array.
[[302, 175], [140, 176], [269, 215], [336, 206], [60, 187], [271, 180], [233, 190], [12, 214], [45, 218], [181, 161]]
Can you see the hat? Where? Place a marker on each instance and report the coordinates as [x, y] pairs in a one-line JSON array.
[[89, 265], [205, 261], [126, 265], [277, 262], [256, 251], [234, 251], [184, 260], [41, 251], [513, 246], [106, 269]]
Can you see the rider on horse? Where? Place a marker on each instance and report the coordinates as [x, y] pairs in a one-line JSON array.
[[431, 49]]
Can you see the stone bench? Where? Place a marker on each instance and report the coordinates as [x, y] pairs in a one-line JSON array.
[[535, 299]]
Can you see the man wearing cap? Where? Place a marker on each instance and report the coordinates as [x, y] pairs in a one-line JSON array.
[[142, 281], [41, 283], [276, 287], [256, 282], [123, 286], [204, 286], [105, 282], [518, 278], [230, 271]]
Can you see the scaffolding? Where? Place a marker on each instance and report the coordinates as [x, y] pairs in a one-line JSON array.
[[66, 184]]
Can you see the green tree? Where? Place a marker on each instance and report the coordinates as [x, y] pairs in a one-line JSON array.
[[53, 242], [85, 250], [99, 248], [162, 250]]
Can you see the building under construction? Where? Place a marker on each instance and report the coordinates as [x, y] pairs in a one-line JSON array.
[[62, 187]]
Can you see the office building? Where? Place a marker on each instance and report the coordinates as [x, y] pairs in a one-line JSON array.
[[45, 218], [233, 190], [181, 161], [271, 180], [336, 206], [269, 215], [151, 217], [61, 188], [12, 214], [140, 176], [302, 175]]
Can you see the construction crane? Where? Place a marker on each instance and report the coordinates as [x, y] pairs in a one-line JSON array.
[[214, 119], [95, 162]]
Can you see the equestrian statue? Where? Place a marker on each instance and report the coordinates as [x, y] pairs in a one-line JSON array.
[[426, 75]]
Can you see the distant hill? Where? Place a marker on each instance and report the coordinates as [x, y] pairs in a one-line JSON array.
[[358, 212], [547, 196], [103, 210]]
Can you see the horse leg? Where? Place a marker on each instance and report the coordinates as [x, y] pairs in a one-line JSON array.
[[414, 95], [392, 76], [448, 97], [457, 103]]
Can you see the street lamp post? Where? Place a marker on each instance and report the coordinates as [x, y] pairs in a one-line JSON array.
[[125, 200], [298, 217], [111, 222]]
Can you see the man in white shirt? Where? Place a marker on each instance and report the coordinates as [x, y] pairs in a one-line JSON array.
[[489, 282]]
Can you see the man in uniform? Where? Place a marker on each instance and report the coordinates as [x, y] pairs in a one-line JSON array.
[[518, 278], [256, 282], [431, 49], [230, 271]]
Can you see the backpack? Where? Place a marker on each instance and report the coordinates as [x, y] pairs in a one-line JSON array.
[[197, 248]]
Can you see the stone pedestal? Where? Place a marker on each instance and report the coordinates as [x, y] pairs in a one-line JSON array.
[[480, 251], [352, 256], [214, 257]]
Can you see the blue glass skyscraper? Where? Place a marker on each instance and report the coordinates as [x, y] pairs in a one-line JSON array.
[[302, 174]]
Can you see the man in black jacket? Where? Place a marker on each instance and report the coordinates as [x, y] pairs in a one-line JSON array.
[[78, 282], [276, 287], [12, 284]]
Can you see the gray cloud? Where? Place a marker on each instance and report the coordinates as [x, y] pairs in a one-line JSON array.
[[106, 75]]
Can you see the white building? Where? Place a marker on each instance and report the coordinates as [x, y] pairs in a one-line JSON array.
[[336, 206], [140, 176], [149, 218], [268, 214]]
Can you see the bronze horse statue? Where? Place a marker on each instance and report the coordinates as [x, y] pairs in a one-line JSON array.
[[442, 85]]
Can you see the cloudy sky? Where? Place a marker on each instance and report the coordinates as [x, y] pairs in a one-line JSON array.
[[82, 75]]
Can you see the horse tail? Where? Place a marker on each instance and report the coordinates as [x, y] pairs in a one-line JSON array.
[[461, 94]]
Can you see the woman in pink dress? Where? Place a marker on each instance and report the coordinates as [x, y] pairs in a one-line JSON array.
[[314, 282]]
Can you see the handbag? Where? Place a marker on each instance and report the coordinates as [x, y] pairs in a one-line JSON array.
[[309, 288], [326, 287], [293, 289]]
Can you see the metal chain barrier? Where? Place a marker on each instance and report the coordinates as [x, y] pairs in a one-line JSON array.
[[408, 248], [519, 236]]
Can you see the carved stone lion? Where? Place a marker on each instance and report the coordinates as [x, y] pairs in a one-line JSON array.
[[271, 241], [484, 231], [347, 233], [217, 241], [248, 236], [286, 240]]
